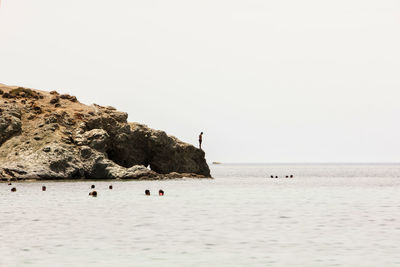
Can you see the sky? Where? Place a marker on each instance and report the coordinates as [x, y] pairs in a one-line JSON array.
[[266, 81]]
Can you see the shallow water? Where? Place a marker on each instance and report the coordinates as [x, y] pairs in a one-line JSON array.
[[328, 215]]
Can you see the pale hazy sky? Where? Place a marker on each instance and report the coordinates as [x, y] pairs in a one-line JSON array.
[[267, 81]]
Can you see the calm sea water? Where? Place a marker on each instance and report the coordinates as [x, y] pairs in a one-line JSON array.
[[328, 215]]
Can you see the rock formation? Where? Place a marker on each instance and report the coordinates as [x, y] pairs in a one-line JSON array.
[[45, 135]]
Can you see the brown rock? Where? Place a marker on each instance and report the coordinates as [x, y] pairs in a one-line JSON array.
[[69, 97], [54, 99]]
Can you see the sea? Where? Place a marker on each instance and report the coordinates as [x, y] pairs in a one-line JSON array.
[[326, 215]]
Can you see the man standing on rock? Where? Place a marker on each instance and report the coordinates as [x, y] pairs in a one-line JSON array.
[[200, 139]]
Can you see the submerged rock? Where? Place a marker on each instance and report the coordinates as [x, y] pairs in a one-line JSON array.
[[75, 141]]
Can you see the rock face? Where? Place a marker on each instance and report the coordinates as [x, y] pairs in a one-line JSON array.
[[50, 136], [10, 122]]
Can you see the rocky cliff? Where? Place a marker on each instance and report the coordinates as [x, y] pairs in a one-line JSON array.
[[47, 135]]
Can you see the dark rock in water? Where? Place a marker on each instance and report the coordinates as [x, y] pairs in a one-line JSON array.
[[141, 145], [75, 141]]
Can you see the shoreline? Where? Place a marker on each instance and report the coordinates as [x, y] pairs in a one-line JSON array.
[[164, 178]]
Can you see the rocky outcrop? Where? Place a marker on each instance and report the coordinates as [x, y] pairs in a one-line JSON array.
[[10, 121], [51, 136]]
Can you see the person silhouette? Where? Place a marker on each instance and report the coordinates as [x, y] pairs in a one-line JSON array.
[[200, 139]]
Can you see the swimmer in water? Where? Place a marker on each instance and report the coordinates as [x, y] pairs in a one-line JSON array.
[[93, 194]]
